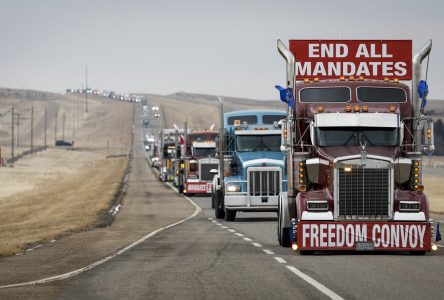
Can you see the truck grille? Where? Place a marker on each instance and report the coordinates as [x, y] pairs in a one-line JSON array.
[[364, 193], [205, 169], [264, 183]]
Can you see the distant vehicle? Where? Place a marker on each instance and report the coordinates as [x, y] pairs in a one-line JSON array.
[[64, 143], [146, 123], [156, 115], [164, 174], [155, 108]]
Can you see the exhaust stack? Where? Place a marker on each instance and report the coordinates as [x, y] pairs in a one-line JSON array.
[[221, 141], [417, 73]]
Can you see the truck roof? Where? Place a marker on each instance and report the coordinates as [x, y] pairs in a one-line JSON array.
[[254, 118]]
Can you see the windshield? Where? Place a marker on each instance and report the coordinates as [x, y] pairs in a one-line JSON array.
[[201, 152], [356, 136], [331, 94], [376, 94], [252, 143]]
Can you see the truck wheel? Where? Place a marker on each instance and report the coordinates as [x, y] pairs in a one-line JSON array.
[[283, 233], [212, 200], [219, 206], [181, 189], [419, 253], [230, 215], [307, 252]]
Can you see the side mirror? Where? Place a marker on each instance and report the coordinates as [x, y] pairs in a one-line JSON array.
[[312, 133], [214, 172], [429, 139], [401, 134], [285, 135]]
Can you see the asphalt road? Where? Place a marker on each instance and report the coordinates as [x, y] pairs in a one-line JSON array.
[[204, 258]]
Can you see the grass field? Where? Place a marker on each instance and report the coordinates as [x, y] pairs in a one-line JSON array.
[[58, 191]]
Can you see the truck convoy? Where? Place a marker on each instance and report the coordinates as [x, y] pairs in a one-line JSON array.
[[353, 137], [197, 160], [169, 150], [251, 167]]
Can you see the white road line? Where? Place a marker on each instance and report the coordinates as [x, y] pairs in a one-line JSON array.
[[247, 239], [238, 234], [231, 230], [440, 246], [268, 251], [322, 288], [256, 244], [197, 210], [210, 219], [280, 260], [214, 221], [219, 224], [224, 227]]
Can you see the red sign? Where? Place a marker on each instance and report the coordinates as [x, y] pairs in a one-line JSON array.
[[199, 187], [346, 235], [372, 59]]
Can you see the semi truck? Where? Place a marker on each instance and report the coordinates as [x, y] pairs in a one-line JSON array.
[[169, 152], [251, 171], [353, 138], [197, 160]]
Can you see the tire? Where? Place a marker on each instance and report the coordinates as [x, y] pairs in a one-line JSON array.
[[219, 211], [181, 189], [417, 253], [212, 200], [306, 252], [230, 215], [283, 232]]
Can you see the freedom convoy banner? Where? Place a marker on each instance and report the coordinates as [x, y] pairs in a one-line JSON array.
[[369, 236], [372, 59]]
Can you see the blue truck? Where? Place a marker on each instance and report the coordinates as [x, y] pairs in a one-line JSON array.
[[251, 166]]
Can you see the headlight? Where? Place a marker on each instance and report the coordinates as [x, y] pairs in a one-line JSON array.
[[233, 187]]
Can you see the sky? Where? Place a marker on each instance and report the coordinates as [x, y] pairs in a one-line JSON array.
[[225, 47]]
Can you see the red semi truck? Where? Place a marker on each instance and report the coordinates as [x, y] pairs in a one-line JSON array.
[[353, 137], [198, 159]]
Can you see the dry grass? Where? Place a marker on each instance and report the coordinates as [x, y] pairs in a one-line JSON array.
[[434, 189], [59, 206], [57, 191]]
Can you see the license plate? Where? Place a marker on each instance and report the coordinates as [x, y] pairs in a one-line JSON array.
[[365, 246]]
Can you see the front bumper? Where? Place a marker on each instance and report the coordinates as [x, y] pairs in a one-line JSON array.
[[388, 236], [244, 202]]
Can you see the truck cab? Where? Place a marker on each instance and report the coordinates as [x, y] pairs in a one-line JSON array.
[[254, 169], [354, 163], [198, 159]]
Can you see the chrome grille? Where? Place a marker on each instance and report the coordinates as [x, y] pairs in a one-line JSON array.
[[205, 169], [364, 192], [264, 182]]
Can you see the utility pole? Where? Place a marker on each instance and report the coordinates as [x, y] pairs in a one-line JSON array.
[[32, 128], [86, 88], [73, 116], [55, 127], [46, 122], [12, 135], [17, 144], [63, 127]]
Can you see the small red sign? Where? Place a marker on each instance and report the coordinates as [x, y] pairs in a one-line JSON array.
[[199, 187], [323, 235], [372, 59]]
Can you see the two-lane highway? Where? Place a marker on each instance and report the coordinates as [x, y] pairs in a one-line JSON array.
[[208, 258]]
